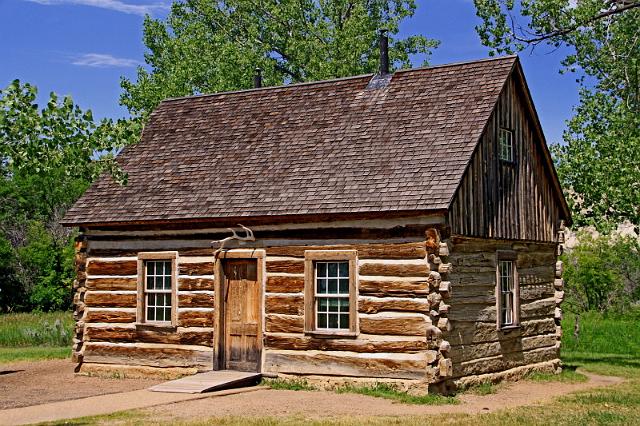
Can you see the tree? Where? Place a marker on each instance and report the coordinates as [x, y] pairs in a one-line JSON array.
[[600, 163], [207, 46], [48, 157]]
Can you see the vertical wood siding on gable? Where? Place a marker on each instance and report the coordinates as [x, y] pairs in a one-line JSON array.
[[504, 200]]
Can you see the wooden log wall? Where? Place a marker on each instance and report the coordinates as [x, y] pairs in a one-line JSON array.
[[497, 199], [477, 346], [399, 295]]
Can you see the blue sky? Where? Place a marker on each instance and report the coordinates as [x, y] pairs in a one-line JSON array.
[[82, 47]]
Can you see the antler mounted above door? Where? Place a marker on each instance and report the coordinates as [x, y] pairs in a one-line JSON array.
[[248, 237]]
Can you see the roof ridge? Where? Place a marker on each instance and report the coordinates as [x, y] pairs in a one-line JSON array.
[[334, 80]]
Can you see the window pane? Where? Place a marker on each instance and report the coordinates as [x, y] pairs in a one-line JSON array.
[[333, 320], [333, 286], [149, 283], [322, 286], [344, 304], [159, 314], [321, 268], [323, 305], [344, 321], [167, 314], [322, 320], [150, 316], [333, 269], [167, 283], [344, 269], [333, 305], [150, 268], [344, 286]]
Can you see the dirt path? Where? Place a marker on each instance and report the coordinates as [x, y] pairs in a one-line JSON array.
[[38, 382], [272, 403]]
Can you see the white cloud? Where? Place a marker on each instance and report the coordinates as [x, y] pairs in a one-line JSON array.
[[116, 5], [101, 60]]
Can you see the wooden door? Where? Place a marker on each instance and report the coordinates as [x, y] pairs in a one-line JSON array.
[[242, 316]]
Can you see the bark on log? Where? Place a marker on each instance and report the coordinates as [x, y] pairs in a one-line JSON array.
[[394, 270], [398, 366], [196, 300], [365, 251], [142, 335], [195, 318], [94, 315], [190, 284], [281, 304], [110, 299], [112, 267], [307, 343], [276, 323], [288, 266], [199, 268], [375, 305], [284, 284], [397, 326], [393, 288], [111, 284], [149, 356]]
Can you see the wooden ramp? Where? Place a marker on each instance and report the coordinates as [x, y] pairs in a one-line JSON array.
[[208, 382]]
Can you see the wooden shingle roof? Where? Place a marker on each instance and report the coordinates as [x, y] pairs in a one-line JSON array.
[[316, 148]]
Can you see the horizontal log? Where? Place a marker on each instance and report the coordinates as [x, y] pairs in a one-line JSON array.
[[190, 284], [372, 305], [385, 365], [394, 270], [276, 323], [112, 267], [530, 260], [307, 343], [197, 268], [162, 356], [285, 284], [195, 318], [534, 292], [196, 300], [397, 326], [288, 266], [95, 315], [536, 275], [383, 288], [508, 345], [504, 362], [111, 284], [148, 335], [110, 300], [284, 304], [467, 333], [365, 251]]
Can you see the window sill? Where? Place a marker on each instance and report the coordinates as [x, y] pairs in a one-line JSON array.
[[155, 326], [510, 328], [332, 334]]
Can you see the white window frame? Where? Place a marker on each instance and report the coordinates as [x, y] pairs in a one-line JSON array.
[[143, 291], [506, 149], [507, 290], [312, 259]]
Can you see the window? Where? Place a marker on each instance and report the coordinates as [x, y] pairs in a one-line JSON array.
[[505, 145], [157, 291], [332, 295], [507, 291], [157, 288], [330, 292]]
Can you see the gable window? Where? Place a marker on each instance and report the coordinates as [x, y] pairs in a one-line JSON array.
[[157, 288], [330, 292], [507, 291], [505, 145]]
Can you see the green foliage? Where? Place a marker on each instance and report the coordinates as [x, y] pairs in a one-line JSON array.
[[36, 329], [389, 391], [568, 375], [205, 46], [35, 353], [599, 165], [288, 384], [600, 333], [48, 157], [602, 274]]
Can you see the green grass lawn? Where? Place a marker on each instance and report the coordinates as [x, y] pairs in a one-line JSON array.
[[36, 335]]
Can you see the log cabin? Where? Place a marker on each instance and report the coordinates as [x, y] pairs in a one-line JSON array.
[[400, 226]]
